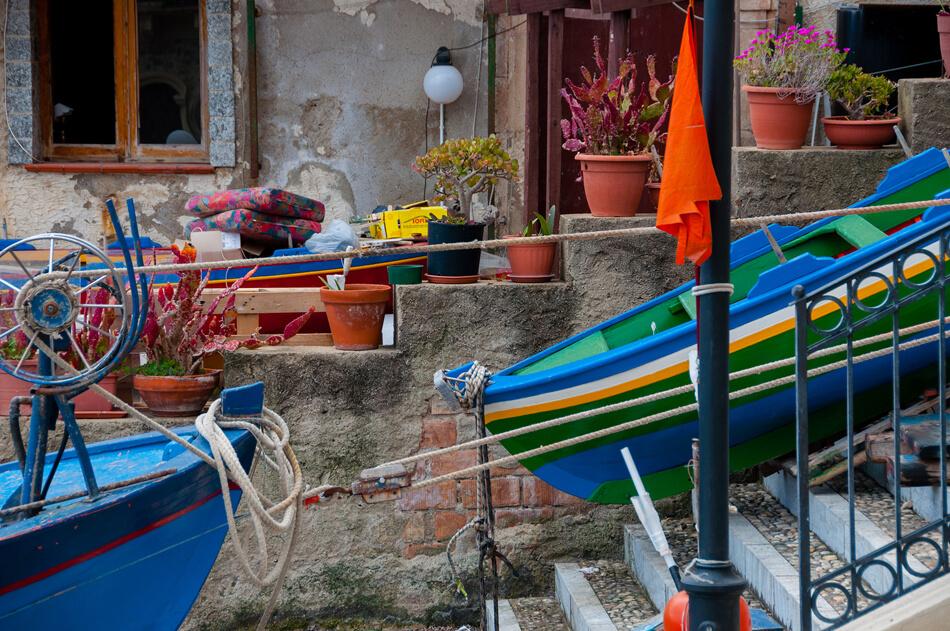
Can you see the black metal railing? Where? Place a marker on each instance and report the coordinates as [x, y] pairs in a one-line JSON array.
[[877, 336]]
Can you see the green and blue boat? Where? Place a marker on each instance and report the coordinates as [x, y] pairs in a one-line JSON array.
[[647, 350]]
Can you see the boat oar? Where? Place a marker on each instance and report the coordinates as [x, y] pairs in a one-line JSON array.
[[650, 519]]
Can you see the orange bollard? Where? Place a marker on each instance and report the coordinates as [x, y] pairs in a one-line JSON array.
[[676, 614]]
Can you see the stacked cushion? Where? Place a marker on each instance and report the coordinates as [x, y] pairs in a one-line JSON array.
[[263, 214]]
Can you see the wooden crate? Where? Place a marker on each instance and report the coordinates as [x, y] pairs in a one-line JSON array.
[[251, 303]]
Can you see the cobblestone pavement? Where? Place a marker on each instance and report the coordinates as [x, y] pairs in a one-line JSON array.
[[539, 614], [877, 504], [681, 534], [780, 528], [623, 598]]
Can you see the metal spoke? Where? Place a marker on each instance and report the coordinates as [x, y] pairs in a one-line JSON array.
[[97, 329], [10, 285], [107, 306], [22, 266], [94, 283], [52, 244], [72, 268], [9, 331], [78, 350], [26, 351]]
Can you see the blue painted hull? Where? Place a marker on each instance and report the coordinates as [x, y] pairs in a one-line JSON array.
[[134, 559]]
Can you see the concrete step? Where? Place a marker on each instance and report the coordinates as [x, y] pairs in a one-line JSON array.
[[763, 545], [527, 614], [829, 516], [924, 500], [602, 596]]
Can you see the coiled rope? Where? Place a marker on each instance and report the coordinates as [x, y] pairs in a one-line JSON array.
[[170, 268]]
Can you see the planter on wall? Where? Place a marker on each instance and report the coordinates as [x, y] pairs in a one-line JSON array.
[[614, 185], [87, 402], [356, 315], [778, 120], [531, 262], [864, 134], [459, 266], [943, 30], [176, 396]]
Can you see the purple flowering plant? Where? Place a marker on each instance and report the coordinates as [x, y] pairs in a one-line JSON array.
[[799, 60], [616, 117]]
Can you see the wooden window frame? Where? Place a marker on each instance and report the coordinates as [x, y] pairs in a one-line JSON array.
[[125, 52]]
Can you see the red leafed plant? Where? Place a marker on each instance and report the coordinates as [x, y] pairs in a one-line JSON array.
[[616, 117], [180, 330], [14, 344], [93, 341]]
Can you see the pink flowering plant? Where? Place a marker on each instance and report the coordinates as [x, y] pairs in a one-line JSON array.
[[800, 60], [616, 117]]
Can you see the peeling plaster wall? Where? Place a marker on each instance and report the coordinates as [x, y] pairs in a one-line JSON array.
[[342, 116]]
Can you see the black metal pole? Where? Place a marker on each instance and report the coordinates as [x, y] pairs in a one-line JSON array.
[[713, 584]]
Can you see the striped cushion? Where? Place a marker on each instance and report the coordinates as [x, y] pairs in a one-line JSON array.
[[257, 226], [272, 201]]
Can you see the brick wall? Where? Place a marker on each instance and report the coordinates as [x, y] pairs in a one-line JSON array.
[[433, 514]]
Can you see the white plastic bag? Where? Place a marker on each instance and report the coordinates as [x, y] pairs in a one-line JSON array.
[[335, 236]]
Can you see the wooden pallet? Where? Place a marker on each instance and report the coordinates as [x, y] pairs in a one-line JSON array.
[[251, 303]]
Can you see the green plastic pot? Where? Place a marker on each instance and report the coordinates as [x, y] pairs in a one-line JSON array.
[[405, 274]]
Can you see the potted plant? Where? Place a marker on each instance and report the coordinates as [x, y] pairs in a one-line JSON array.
[[531, 262], [864, 97], [179, 332], [93, 344], [943, 30], [462, 168], [783, 74], [612, 128], [355, 312]]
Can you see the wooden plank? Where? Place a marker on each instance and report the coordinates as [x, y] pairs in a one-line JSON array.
[[520, 7], [271, 299], [301, 339], [553, 128], [619, 40], [532, 118], [610, 6]]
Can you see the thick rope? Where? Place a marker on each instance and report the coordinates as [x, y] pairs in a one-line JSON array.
[[657, 396], [622, 427], [170, 268]]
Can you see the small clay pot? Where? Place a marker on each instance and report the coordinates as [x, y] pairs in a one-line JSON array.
[[176, 396], [778, 120], [613, 185], [531, 260], [356, 315], [872, 133], [943, 30], [653, 195]]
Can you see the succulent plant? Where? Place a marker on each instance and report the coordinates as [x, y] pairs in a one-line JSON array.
[[862, 95]]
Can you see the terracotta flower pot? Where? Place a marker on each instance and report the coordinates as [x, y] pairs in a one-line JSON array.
[[88, 401], [778, 121], [176, 396], [864, 134], [653, 195], [531, 262], [613, 185], [943, 29], [356, 315]]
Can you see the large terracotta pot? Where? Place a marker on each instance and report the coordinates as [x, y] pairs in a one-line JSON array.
[[943, 30], [356, 315], [531, 262], [864, 134], [88, 401], [613, 185], [778, 121], [176, 396]]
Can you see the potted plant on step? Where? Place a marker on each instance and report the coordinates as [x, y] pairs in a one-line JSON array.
[[462, 168], [783, 74], [531, 262], [179, 332], [355, 312], [864, 97], [943, 30], [613, 126]]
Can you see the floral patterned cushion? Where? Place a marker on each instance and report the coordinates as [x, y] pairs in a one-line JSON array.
[[257, 226], [272, 201]]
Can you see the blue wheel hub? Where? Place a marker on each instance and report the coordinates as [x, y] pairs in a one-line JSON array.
[[51, 309]]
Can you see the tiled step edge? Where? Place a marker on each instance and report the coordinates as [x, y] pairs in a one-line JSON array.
[[769, 574], [828, 517], [580, 605], [507, 621], [647, 566]]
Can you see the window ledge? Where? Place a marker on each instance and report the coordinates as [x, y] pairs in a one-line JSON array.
[[168, 168]]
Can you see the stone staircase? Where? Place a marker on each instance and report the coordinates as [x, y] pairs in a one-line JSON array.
[[604, 595]]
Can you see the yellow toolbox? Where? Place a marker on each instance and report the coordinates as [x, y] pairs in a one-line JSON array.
[[404, 223]]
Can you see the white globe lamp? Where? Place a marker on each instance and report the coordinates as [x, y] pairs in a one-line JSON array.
[[442, 84]]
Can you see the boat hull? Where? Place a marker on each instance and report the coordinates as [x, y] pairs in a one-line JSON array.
[[762, 323], [134, 559]]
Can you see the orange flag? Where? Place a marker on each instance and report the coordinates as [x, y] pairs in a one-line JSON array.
[[688, 181]]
